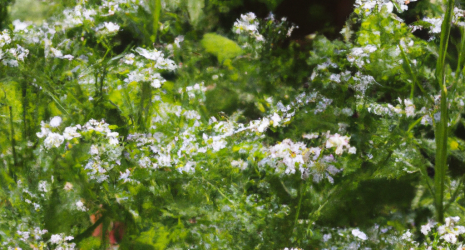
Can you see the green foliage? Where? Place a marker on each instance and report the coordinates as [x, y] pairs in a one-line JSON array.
[[223, 48], [131, 123]]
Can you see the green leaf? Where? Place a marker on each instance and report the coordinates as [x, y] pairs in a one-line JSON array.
[[220, 46]]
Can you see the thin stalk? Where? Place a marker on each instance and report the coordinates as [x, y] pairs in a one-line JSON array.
[[460, 61], [12, 133], [25, 104], [156, 18], [88, 232], [144, 105], [301, 195], [441, 126]]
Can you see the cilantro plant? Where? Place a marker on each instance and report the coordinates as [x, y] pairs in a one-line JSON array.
[[139, 124]]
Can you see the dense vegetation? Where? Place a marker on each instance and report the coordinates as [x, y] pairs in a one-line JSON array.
[[192, 124]]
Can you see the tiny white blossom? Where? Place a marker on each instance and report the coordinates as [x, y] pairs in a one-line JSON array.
[[276, 119], [310, 136], [111, 27], [70, 133], [359, 234], [178, 40], [93, 150], [68, 186], [80, 206], [436, 24], [53, 140], [55, 239], [425, 229], [55, 122], [125, 176], [240, 164]]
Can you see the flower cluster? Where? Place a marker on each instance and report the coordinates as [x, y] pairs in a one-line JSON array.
[[248, 25], [194, 92], [309, 161], [148, 72], [369, 5], [360, 55], [10, 55], [158, 59], [62, 242], [340, 143], [32, 236], [440, 236], [103, 155]]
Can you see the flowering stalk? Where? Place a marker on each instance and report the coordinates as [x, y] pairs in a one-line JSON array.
[[441, 127]]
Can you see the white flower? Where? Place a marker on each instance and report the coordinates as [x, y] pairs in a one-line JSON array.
[[129, 58], [56, 53], [43, 186], [248, 25], [338, 142], [188, 167], [93, 150], [43, 131], [20, 25], [260, 125], [70, 133], [425, 229], [347, 111], [55, 239], [53, 140], [407, 236], [409, 107], [111, 27], [55, 122], [145, 162], [310, 136], [240, 164], [276, 119], [156, 83], [218, 144], [164, 160], [68, 186], [359, 234], [451, 238], [436, 24], [69, 57], [352, 150], [125, 176], [152, 55], [80, 206], [178, 40]]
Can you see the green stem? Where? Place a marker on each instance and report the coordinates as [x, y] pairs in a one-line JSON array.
[[88, 232], [24, 104], [13, 142], [145, 105], [156, 18], [300, 204], [441, 127], [460, 61]]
